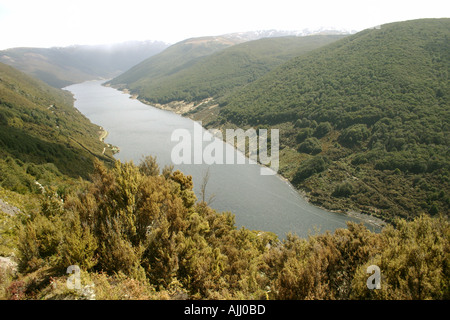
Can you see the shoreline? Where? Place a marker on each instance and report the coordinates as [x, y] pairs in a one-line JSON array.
[[362, 217]]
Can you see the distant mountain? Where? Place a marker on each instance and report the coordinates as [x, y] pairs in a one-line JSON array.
[[42, 136], [175, 58], [62, 66], [364, 121], [191, 74], [274, 33]]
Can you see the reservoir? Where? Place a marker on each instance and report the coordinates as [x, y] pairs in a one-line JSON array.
[[259, 202]]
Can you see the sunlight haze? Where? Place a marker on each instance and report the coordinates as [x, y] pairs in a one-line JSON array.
[[49, 23]]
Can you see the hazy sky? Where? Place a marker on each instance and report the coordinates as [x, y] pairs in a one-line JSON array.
[[45, 23]]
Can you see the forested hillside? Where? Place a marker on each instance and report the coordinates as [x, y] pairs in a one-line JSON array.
[[214, 74], [364, 122], [63, 66], [42, 136]]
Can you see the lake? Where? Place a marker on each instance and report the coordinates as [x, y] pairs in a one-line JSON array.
[[259, 202]]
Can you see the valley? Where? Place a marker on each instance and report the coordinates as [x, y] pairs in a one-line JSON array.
[[361, 122], [330, 106]]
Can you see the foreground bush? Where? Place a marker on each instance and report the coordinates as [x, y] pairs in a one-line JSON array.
[[143, 231]]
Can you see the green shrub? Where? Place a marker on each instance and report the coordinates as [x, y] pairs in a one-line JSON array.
[[303, 134], [359, 159], [322, 129], [302, 123], [354, 135], [343, 190], [310, 146], [310, 167]]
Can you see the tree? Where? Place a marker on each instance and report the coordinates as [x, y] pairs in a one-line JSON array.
[[354, 135], [310, 146], [322, 129], [303, 134], [309, 167], [149, 166], [78, 246], [205, 181], [344, 190]]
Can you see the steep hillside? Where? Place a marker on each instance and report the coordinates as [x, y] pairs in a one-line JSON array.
[[60, 67], [42, 136], [364, 122], [170, 60], [218, 73]]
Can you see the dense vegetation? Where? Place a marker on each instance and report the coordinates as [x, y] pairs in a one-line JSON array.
[[369, 111], [364, 125], [138, 232], [215, 74], [61, 67], [42, 136]]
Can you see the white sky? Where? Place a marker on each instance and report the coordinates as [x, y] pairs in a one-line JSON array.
[[46, 23]]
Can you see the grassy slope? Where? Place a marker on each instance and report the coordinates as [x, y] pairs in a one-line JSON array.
[[385, 94], [42, 136]]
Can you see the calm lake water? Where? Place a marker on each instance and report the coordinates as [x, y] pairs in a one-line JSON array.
[[259, 202]]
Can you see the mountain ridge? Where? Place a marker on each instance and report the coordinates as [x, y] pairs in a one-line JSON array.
[[205, 77], [63, 66], [276, 33]]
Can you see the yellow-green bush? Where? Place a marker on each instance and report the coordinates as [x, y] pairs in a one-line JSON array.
[[146, 234]]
